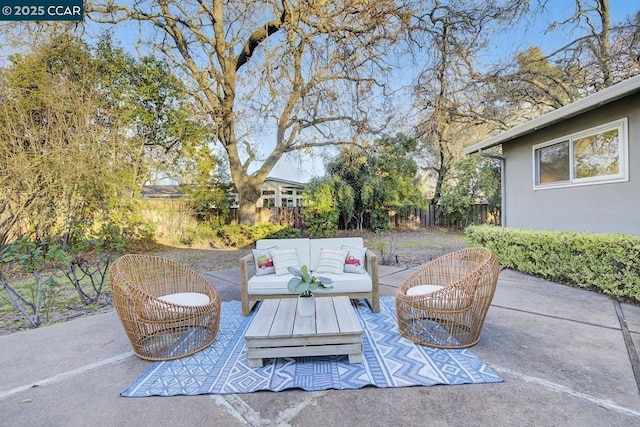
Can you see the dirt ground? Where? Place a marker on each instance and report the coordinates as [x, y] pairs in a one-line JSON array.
[[397, 248]]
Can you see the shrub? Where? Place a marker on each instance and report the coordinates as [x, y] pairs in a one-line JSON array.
[[321, 214], [128, 223], [608, 262], [42, 260], [238, 236], [197, 233], [285, 233]]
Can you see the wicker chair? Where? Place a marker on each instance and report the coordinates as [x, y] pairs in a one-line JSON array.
[[444, 303], [168, 310]]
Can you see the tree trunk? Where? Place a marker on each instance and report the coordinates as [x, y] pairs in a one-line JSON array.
[[442, 175], [247, 212], [603, 52], [249, 192]]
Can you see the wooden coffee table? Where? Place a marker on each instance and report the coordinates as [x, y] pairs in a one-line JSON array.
[[277, 330]]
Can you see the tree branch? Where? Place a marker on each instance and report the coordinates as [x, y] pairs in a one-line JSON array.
[[258, 36]]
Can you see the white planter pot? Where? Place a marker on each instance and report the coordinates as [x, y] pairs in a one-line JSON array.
[[306, 305]]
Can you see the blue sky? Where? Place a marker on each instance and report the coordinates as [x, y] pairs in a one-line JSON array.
[[529, 32]]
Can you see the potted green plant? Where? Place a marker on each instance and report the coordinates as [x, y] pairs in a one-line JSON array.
[[303, 284]]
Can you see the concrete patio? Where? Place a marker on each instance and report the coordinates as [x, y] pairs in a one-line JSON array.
[[567, 356]]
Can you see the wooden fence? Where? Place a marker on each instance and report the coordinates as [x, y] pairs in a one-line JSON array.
[[417, 218], [434, 216]]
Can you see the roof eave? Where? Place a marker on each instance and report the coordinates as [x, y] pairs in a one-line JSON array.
[[613, 93]]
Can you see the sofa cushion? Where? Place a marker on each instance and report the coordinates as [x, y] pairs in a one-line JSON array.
[[283, 259], [354, 263], [331, 261], [348, 282], [263, 261], [277, 285], [269, 285], [316, 245]]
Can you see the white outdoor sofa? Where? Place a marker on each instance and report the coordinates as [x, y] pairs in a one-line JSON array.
[[255, 288]]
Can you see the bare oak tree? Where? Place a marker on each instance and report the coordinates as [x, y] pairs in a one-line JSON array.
[[596, 54], [592, 49], [274, 76], [448, 104]]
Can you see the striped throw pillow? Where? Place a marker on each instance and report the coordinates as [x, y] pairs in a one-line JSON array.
[[331, 261], [283, 259]]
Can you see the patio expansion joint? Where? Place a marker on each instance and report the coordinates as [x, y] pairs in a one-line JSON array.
[[559, 388], [242, 411], [628, 342], [239, 409], [393, 273], [551, 316], [66, 375]]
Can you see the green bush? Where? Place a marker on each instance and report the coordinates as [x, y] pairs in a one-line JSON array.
[[608, 262], [285, 233], [238, 236], [128, 224], [321, 215], [197, 233]]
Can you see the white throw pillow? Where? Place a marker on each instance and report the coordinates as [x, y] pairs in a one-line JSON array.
[[331, 261], [354, 262], [283, 259], [263, 261]]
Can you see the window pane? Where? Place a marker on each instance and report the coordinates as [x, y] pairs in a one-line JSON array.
[[597, 155], [268, 202], [553, 163]]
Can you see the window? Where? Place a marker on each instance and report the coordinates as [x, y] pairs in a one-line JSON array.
[[268, 199], [287, 200], [595, 156], [553, 163]]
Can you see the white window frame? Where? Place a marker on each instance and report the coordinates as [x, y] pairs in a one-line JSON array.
[[623, 144], [268, 199]]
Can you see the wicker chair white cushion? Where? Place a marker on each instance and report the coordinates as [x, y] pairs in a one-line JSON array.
[[423, 289], [193, 299]]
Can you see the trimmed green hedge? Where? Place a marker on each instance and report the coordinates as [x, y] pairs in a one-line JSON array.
[[609, 262]]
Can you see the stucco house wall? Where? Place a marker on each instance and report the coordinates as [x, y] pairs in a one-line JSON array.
[[583, 205], [281, 193], [277, 193], [601, 208]]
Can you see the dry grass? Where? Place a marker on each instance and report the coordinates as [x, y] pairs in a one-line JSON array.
[[411, 247], [398, 248]]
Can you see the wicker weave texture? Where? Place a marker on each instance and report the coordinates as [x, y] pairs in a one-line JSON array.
[[160, 330], [451, 317]]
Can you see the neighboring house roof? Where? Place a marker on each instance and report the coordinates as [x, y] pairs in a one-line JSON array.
[[175, 191], [591, 102], [161, 191], [286, 182]]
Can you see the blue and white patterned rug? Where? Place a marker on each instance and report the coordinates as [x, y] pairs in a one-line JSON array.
[[389, 360]]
